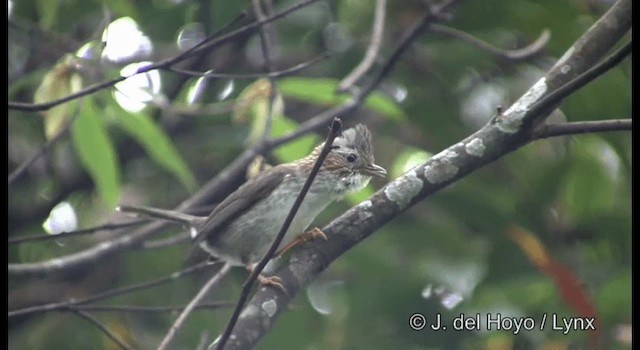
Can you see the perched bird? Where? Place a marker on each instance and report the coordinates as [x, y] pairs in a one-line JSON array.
[[242, 227]]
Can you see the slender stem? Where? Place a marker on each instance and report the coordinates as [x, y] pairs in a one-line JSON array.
[[62, 235], [519, 54], [106, 294], [87, 316], [192, 305], [551, 130], [150, 309], [372, 50], [274, 74], [45, 147]]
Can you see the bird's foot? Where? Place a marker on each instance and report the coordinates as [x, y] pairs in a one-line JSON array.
[[307, 236], [272, 281]]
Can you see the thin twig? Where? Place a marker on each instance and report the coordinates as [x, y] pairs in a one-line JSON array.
[[336, 126], [203, 341], [515, 55], [33, 107], [192, 305], [150, 309], [373, 49], [185, 110], [201, 46], [179, 238], [45, 147], [63, 235], [106, 294], [87, 316], [275, 74], [562, 129]]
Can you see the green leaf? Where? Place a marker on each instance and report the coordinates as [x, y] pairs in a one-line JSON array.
[[157, 144], [323, 92], [96, 152]]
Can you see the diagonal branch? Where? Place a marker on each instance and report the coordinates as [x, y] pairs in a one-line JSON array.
[[192, 305], [87, 316]]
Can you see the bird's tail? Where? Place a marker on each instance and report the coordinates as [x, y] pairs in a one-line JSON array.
[[169, 215]]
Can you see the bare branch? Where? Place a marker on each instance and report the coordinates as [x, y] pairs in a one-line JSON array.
[[515, 55], [192, 305], [63, 235], [107, 294], [33, 107], [45, 147], [373, 49], [87, 316], [150, 309], [274, 74], [551, 130], [182, 237]]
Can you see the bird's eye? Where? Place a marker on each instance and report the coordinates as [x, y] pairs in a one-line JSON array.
[[351, 157]]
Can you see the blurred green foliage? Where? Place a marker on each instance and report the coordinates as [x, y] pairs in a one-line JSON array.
[[572, 193]]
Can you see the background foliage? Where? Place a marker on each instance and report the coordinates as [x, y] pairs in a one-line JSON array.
[[546, 229]]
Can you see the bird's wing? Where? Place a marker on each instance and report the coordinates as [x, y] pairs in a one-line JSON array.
[[239, 201]]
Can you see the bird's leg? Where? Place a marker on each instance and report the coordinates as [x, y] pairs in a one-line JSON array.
[[305, 237], [273, 281]]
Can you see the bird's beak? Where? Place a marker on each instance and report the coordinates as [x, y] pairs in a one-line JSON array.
[[374, 170]]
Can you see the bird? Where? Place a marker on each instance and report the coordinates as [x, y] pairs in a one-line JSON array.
[[241, 229]]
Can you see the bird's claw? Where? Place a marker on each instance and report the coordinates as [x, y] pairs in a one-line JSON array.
[[273, 281]]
